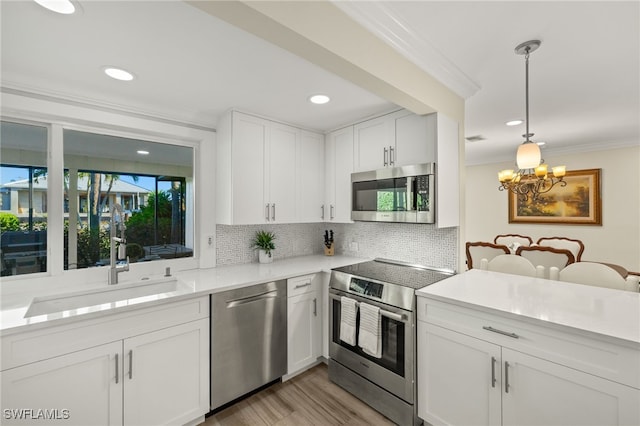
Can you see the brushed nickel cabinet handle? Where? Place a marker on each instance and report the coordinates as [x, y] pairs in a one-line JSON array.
[[130, 364], [331, 212], [506, 377], [266, 216], [308, 283], [322, 216], [504, 333], [392, 160], [315, 307], [273, 212], [493, 372], [384, 157], [117, 369]]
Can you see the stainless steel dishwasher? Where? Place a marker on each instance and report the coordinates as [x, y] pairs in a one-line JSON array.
[[248, 339]]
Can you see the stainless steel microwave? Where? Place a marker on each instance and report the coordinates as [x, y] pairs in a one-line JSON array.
[[394, 194]]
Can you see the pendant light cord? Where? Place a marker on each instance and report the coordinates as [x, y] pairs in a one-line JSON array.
[[526, 91]]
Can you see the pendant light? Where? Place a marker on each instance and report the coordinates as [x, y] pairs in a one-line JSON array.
[[532, 178]]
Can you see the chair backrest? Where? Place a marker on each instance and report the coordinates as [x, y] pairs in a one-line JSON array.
[[479, 250], [596, 274], [512, 264], [574, 246], [547, 256], [509, 239]]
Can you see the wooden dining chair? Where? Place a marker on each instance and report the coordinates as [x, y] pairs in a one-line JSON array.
[[516, 265], [478, 250], [509, 239], [552, 259], [574, 246], [597, 274]]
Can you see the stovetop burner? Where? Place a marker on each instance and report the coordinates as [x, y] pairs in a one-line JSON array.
[[398, 273]]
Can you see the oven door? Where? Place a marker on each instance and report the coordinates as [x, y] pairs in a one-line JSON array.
[[394, 371]]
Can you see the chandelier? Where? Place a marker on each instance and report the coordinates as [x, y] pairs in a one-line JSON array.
[[532, 177]]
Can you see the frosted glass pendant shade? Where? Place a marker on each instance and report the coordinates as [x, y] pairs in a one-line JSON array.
[[528, 156]]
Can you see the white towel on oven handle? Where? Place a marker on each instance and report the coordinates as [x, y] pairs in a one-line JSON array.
[[370, 337], [348, 310]]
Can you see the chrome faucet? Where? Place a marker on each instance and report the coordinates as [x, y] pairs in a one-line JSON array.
[[119, 253]]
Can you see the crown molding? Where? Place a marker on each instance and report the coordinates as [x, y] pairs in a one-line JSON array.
[[387, 25], [95, 104]]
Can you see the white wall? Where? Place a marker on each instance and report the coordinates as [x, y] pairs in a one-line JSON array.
[[616, 241]]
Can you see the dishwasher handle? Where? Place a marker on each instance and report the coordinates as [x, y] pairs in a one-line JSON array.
[[248, 299]]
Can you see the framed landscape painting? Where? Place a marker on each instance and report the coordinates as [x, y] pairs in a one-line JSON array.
[[576, 203]]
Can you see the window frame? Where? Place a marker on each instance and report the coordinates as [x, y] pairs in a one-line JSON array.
[[58, 114]]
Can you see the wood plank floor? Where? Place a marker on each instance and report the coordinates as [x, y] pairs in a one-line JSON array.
[[307, 399]]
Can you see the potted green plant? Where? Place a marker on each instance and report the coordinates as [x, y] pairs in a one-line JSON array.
[[263, 241]]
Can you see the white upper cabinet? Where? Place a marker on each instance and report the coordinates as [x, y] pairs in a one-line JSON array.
[[267, 172], [311, 180], [374, 141], [338, 169], [280, 174], [397, 139], [415, 139]]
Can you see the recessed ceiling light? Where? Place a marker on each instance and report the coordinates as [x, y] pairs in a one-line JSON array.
[[541, 143], [142, 152], [514, 122], [59, 6], [319, 99], [118, 74]]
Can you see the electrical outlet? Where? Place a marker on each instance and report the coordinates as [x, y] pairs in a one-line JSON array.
[[210, 240], [353, 246]]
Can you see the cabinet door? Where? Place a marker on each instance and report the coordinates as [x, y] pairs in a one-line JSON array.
[[340, 208], [248, 158], [544, 393], [310, 183], [372, 140], [280, 183], [458, 378], [415, 140], [80, 388], [303, 329], [167, 375]]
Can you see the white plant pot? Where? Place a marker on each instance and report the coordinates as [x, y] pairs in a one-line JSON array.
[[263, 257]]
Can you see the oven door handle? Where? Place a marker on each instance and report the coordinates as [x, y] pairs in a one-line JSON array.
[[383, 312]]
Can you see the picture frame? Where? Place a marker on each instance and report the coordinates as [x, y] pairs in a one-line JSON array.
[[577, 203]]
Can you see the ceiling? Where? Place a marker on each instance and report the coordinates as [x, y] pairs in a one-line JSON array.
[[191, 67]]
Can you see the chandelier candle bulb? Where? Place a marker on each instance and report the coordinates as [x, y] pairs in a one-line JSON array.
[[559, 171], [541, 171]]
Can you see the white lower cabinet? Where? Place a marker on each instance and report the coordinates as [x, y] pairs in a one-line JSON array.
[[152, 376], [467, 380], [304, 326], [76, 389], [163, 380]]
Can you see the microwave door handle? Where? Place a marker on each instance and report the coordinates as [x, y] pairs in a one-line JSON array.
[[411, 194]]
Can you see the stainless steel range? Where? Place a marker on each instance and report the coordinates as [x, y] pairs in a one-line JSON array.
[[387, 383]]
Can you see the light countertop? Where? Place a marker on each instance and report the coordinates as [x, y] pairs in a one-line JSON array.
[[603, 312], [192, 283]]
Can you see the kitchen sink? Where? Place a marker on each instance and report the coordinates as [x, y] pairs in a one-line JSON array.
[[117, 295]]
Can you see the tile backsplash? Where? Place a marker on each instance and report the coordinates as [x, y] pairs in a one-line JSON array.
[[414, 243]]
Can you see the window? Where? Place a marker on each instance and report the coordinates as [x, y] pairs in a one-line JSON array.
[[152, 190], [23, 201]]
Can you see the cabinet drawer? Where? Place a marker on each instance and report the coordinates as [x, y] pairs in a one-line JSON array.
[[31, 346], [601, 358], [301, 285]]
